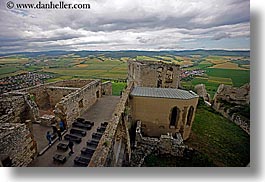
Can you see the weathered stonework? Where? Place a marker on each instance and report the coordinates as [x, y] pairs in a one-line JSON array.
[[17, 144], [72, 105], [202, 92], [241, 121], [67, 99], [164, 145], [57, 93], [47, 120], [229, 99], [114, 147], [106, 88], [17, 107], [154, 74], [234, 95]]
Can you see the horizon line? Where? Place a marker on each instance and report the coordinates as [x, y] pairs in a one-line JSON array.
[[162, 50]]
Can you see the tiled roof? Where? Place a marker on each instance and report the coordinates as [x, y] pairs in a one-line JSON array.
[[163, 93]]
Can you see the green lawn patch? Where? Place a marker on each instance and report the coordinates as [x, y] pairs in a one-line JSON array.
[[117, 87]]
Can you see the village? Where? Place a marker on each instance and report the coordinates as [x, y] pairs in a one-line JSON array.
[[21, 81]]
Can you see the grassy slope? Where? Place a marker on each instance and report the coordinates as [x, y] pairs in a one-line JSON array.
[[219, 142], [220, 139]]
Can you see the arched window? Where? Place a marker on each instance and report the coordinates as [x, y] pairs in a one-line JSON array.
[[190, 114], [175, 112]]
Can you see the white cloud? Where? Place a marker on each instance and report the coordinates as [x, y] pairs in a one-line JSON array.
[[124, 24]]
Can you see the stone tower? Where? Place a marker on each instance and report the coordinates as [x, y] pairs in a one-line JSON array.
[[154, 74]]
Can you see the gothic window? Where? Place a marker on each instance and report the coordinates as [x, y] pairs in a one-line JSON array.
[[175, 113], [190, 114]]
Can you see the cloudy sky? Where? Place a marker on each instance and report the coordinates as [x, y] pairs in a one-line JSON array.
[[127, 25]]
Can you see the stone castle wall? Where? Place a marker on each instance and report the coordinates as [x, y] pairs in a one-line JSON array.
[[70, 83], [41, 96], [228, 98], [48, 95], [202, 92], [18, 112], [17, 107], [233, 95], [114, 147], [106, 88], [72, 105], [241, 121], [57, 93], [164, 145], [154, 74], [17, 145]]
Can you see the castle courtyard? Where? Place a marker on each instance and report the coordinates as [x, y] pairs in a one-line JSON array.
[[101, 111]]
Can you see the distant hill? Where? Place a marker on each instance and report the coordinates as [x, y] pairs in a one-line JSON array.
[[134, 53]]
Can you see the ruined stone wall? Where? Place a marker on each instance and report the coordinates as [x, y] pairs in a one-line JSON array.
[[228, 98], [114, 147], [155, 115], [17, 144], [234, 95], [70, 83], [17, 107], [72, 105], [165, 144], [202, 92], [242, 122], [40, 95], [106, 88], [154, 74], [57, 93], [47, 95]]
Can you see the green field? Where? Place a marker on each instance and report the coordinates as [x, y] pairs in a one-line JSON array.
[[7, 70], [211, 83], [91, 68], [239, 77], [73, 66]]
